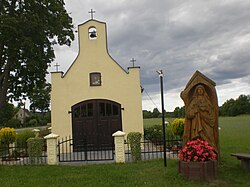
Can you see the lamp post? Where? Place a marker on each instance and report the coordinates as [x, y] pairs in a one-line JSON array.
[[163, 118]]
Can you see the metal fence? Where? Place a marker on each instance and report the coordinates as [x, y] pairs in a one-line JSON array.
[[70, 151], [155, 150], [18, 155]]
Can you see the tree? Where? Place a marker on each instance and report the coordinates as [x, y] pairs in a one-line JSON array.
[[227, 107], [235, 107], [6, 114], [242, 104], [179, 112], [40, 99], [147, 114], [28, 31], [156, 113]]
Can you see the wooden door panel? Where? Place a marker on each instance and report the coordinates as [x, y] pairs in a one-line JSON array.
[[94, 121]]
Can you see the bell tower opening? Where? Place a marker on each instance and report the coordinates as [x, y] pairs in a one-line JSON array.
[[92, 33]]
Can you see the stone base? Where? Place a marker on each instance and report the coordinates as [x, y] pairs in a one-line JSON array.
[[203, 171]]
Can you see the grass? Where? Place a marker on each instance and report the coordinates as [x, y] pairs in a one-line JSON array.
[[155, 121], [234, 137]]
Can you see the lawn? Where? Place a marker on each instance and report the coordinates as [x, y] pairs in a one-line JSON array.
[[234, 137]]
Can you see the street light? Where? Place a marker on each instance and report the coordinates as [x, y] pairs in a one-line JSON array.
[[163, 117]]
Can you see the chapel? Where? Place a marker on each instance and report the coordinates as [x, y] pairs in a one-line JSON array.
[[95, 97]]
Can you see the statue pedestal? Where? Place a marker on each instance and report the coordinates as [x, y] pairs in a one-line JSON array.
[[203, 171]]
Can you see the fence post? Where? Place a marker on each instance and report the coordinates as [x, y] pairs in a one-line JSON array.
[[51, 140], [119, 146]]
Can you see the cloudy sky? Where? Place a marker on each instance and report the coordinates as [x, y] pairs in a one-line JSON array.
[[177, 36]]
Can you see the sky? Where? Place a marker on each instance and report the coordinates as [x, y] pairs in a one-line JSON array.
[[176, 36]]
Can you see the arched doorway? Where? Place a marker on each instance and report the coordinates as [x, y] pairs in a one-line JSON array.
[[94, 122]]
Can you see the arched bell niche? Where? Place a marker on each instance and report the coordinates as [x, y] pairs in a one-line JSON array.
[[92, 33]]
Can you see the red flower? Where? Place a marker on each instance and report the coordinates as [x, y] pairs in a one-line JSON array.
[[197, 151]]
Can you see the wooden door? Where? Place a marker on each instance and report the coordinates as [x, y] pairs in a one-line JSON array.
[[94, 122]]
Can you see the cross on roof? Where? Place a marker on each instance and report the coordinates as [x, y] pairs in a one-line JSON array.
[[133, 61], [56, 65], [92, 13]]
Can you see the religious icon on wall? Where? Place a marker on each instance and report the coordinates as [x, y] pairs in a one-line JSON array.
[[95, 79]]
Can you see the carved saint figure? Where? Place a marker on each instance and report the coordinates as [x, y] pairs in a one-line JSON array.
[[200, 117]]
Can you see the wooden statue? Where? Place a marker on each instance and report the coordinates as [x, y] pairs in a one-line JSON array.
[[201, 110]]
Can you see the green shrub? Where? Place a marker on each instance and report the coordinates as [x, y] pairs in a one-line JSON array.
[[23, 136], [35, 146], [6, 113], [153, 133], [13, 123], [134, 140], [177, 126], [33, 123]]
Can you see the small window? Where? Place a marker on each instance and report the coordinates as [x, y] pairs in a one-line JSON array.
[[92, 33], [95, 79]]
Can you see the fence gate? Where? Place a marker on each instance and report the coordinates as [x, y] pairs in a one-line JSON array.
[[68, 152]]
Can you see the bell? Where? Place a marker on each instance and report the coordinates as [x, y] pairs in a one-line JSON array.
[[93, 34]]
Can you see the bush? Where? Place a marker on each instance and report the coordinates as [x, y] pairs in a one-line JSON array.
[[134, 140], [33, 123], [7, 135], [23, 136], [35, 146], [177, 126], [6, 113], [13, 123], [153, 133]]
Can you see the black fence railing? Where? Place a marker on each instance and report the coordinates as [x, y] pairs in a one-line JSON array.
[[70, 151], [155, 150], [18, 155]]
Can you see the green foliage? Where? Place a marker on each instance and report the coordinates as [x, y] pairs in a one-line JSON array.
[[47, 117], [7, 135], [38, 119], [23, 136], [156, 113], [33, 123], [35, 146], [6, 113], [179, 112], [146, 114], [149, 114], [153, 133], [29, 30], [40, 98], [236, 107], [134, 140], [177, 126], [13, 123]]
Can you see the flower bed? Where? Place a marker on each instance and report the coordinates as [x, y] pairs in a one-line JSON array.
[[198, 161]]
